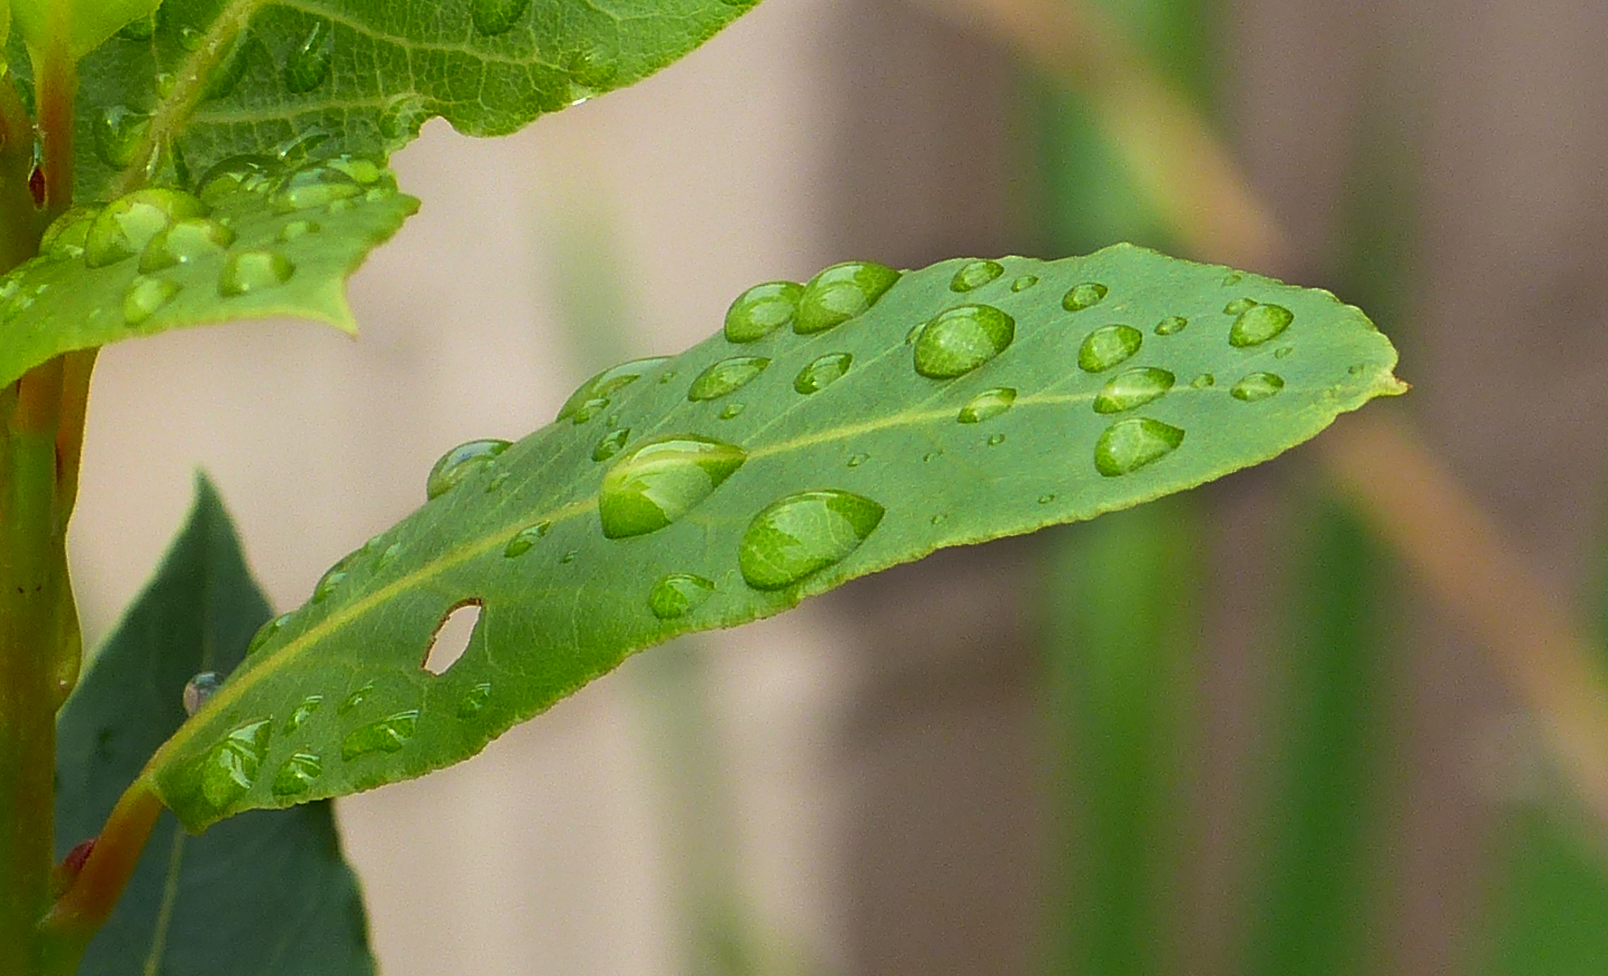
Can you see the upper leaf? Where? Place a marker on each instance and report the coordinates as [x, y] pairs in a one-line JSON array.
[[816, 440], [265, 895], [87, 23], [209, 79]]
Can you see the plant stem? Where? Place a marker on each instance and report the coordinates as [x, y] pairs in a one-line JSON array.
[[58, 90]]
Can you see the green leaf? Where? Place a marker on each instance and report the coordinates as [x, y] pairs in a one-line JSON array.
[[265, 895], [210, 79], [88, 22], [262, 240], [733, 481]]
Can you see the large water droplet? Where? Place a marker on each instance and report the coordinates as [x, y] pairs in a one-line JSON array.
[[1238, 306], [308, 64], [297, 774], [987, 405], [839, 293], [657, 482], [474, 700], [975, 275], [461, 462], [822, 373], [604, 384], [493, 17], [248, 272], [1108, 346], [186, 241], [1171, 325], [66, 235], [198, 689], [678, 594], [1257, 386], [611, 443], [249, 175], [726, 376], [525, 539], [1133, 388], [124, 228], [1129, 445], [145, 297], [315, 186], [229, 769], [1259, 324], [962, 339], [803, 534], [118, 133], [303, 712], [386, 735], [1083, 296], [761, 310]]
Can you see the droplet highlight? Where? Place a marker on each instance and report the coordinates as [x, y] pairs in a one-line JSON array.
[[1109, 346], [761, 310], [839, 293], [461, 462], [823, 372], [198, 689], [679, 594], [658, 482], [962, 339], [1133, 388], [1128, 445]]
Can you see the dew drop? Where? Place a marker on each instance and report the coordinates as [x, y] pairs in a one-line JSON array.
[[725, 377], [1202, 381], [249, 272], [315, 186], [307, 67], [330, 582], [962, 339], [975, 275], [118, 133], [191, 38], [198, 689], [1083, 296], [461, 462], [229, 768], [124, 227], [839, 293], [1257, 386], [761, 310], [996, 440], [659, 481], [297, 774], [364, 170], [822, 372], [386, 735], [611, 443], [186, 241], [248, 175], [1171, 325], [1128, 445], [1232, 278], [604, 385], [145, 297], [1024, 282], [731, 410], [297, 229], [355, 699], [474, 700], [494, 17], [1133, 388], [678, 594], [1356, 369], [1259, 324], [932, 456], [791, 539], [266, 633], [938, 519], [66, 235], [987, 405], [1283, 352], [589, 409], [303, 712], [569, 557], [386, 557], [402, 118], [1108, 346], [855, 460], [1046, 498], [525, 539], [1239, 305]]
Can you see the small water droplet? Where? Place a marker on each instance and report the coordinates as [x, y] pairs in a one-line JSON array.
[[124, 227], [987, 405], [937, 519], [1133, 388], [525, 539], [474, 700], [1257, 386], [1108, 346], [387, 735], [461, 462], [975, 275], [839, 293], [856, 460], [962, 339], [996, 440], [229, 768], [1283, 352], [725, 377], [402, 118], [390, 554], [821, 373], [932, 455], [198, 689], [191, 38], [669, 375], [914, 333], [494, 17], [266, 633], [731, 410], [308, 64], [761, 310], [591, 71], [230, 68], [659, 481], [145, 297], [1083, 296], [1128, 445], [248, 272], [1202, 381], [604, 385], [1232, 278], [1239, 305], [184, 242], [1259, 324], [800, 535], [678, 594], [1024, 282], [1171, 325], [355, 699], [65, 237], [315, 186], [589, 409], [569, 557], [239, 175], [297, 229], [118, 133], [1046, 498], [330, 582], [611, 443], [497, 481], [297, 774], [303, 712]]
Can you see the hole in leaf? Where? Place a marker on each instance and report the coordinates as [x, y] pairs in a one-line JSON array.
[[452, 637]]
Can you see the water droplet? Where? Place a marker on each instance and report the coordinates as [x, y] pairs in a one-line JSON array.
[[124, 228], [678, 594], [731, 410], [198, 689], [1083, 296], [297, 229], [474, 700], [145, 297], [329, 583], [65, 236], [402, 118], [303, 712], [589, 409], [525, 540], [761, 310], [1356, 369], [1046, 498], [229, 769], [493, 17], [1259, 324], [315, 186], [726, 376], [1257, 386], [1108, 346], [962, 339], [987, 405], [975, 275], [1239, 305], [1171, 325], [237, 175], [386, 735], [308, 64], [248, 272], [118, 133], [855, 460], [1133, 388], [266, 633], [591, 71], [1232, 278], [996, 440], [230, 68], [937, 519], [569, 557], [839, 293], [1024, 282], [1202, 381], [665, 379], [185, 241], [355, 699], [659, 481], [822, 373], [191, 38], [461, 462], [800, 535], [297, 774], [1283, 352], [386, 557], [603, 385], [932, 455], [914, 333], [497, 481], [1128, 445], [611, 443]]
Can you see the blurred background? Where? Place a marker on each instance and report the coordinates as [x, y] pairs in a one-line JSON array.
[[1338, 714]]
